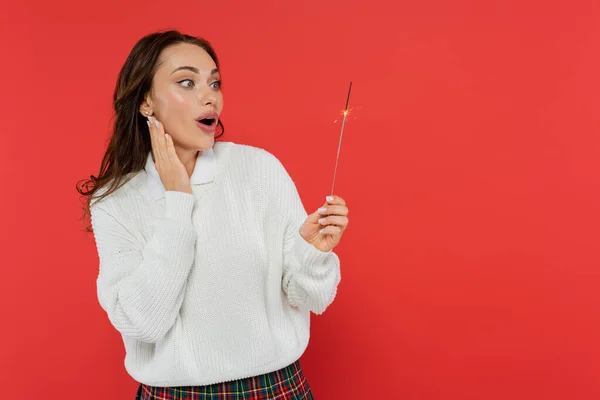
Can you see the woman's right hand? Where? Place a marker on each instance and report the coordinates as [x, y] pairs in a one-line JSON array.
[[171, 170]]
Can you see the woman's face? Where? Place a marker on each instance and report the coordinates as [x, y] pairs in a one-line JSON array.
[[186, 96]]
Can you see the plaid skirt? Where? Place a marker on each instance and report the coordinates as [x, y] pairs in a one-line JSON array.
[[288, 383]]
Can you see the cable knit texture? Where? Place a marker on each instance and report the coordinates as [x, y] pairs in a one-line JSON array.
[[216, 285]]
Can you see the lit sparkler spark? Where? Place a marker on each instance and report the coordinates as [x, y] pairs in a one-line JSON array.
[[345, 113]]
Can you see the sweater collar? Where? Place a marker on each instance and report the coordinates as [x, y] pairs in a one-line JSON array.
[[204, 172]]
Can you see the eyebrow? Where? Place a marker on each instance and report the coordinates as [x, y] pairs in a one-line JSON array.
[[193, 69]]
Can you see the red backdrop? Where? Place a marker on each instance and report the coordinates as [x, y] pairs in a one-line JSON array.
[[470, 266]]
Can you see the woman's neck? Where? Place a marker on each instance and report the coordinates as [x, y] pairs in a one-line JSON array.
[[188, 158]]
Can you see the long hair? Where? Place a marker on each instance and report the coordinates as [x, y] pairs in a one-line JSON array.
[[130, 140]]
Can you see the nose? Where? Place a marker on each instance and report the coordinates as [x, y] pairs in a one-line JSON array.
[[208, 97]]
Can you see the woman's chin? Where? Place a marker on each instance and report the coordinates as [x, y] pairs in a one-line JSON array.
[[207, 142], [202, 143]]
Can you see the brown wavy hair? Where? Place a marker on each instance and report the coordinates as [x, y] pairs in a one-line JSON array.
[[130, 140]]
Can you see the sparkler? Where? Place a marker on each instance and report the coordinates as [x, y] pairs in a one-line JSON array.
[[345, 113]]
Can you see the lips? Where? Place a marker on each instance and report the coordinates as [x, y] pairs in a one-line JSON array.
[[208, 122]]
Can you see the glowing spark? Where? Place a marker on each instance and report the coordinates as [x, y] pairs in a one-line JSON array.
[[345, 114]]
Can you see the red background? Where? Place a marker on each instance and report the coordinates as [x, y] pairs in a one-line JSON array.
[[470, 265]]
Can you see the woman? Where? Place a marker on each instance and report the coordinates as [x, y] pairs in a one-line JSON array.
[[209, 264]]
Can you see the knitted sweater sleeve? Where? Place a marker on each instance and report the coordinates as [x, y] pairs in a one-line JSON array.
[[310, 276], [141, 286]]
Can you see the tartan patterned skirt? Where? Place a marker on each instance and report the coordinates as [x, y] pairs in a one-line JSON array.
[[288, 383]]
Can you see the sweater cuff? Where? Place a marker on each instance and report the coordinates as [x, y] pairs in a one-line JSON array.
[[307, 254], [179, 205]]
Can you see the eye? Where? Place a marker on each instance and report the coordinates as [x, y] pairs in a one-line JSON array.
[[216, 85], [187, 80]]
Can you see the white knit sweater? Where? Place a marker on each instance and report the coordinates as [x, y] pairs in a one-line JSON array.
[[216, 285]]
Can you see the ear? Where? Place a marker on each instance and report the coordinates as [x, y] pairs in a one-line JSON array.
[[146, 107]]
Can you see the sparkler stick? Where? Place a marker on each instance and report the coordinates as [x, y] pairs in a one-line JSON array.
[[341, 135]]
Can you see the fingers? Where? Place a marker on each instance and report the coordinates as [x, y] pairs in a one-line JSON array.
[[334, 206], [335, 200], [160, 135], [170, 147], [334, 220], [331, 230], [333, 210], [152, 137], [159, 141]]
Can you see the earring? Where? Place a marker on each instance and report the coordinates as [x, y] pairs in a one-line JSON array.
[[147, 113]]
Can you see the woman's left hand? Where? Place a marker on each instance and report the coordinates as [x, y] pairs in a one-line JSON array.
[[324, 228]]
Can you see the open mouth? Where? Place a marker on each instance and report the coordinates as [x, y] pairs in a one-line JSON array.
[[207, 121]]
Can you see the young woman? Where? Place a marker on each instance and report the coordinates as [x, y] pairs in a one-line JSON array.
[[209, 264]]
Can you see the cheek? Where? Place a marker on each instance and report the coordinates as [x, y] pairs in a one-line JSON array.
[[173, 103], [163, 105], [179, 98]]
